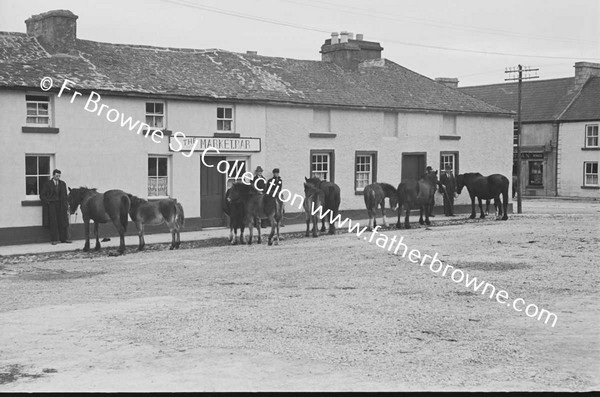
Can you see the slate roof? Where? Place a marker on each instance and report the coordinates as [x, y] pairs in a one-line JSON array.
[[222, 75], [544, 100], [586, 105]]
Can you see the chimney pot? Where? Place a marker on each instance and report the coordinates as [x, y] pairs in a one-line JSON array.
[[359, 36], [343, 37], [350, 36], [252, 52], [334, 38]]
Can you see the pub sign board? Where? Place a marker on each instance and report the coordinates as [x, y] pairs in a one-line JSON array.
[[200, 143], [529, 156]]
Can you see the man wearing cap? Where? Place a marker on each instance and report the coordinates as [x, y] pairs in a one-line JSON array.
[[447, 179], [274, 186], [259, 182], [54, 196], [429, 170]]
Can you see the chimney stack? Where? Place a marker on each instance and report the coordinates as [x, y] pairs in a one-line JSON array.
[[348, 53], [451, 82], [55, 30], [585, 70]]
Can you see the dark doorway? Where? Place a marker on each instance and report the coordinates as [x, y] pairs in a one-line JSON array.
[[413, 165], [212, 193]]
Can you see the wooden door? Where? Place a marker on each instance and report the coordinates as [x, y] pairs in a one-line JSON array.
[[212, 193], [413, 166]]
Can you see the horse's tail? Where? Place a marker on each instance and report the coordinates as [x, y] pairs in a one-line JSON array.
[[180, 217], [124, 213]]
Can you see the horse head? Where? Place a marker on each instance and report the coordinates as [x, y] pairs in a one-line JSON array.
[[460, 183], [312, 194], [75, 197]]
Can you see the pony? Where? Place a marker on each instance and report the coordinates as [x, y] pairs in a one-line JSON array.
[[417, 193], [331, 201], [112, 205], [486, 188], [144, 212], [313, 199], [257, 206], [374, 196], [235, 212]]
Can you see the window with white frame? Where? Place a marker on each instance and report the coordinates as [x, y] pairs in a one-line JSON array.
[[450, 159], [515, 133], [155, 114], [321, 165], [237, 168], [590, 177], [158, 176], [37, 173], [364, 170], [591, 135], [225, 119], [38, 110]]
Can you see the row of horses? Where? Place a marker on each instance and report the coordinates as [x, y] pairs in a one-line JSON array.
[[247, 208], [117, 206], [412, 194]]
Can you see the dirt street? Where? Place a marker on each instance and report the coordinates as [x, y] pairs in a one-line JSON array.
[[332, 313]]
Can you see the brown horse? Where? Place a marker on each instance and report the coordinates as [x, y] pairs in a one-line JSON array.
[[486, 188], [331, 201], [313, 199], [256, 207], [144, 212], [236, 214], [374, 196], [112, 205], [413, 193]]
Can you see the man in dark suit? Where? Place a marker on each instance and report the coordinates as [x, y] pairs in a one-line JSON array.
[[54, 195], [447, 179], [429, 170], [275, 188]]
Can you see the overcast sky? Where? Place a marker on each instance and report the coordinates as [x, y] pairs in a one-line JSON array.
[[426, 36]]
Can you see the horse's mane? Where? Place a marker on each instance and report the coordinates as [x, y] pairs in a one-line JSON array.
[[244, 190], [387, 188], [135, 200]]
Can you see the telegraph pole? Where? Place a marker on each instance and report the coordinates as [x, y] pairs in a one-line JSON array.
[[520, 78]]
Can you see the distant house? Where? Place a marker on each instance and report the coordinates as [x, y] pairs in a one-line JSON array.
[[353, 118], [560, 151]]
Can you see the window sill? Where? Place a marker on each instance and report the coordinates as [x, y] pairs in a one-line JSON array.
[[591, 187], [157, 198], [322, 135], [31, 203], [151, 131], [359, 192], [534, 187], [449, 137], [42, 130], [226, 135], [590, 148]]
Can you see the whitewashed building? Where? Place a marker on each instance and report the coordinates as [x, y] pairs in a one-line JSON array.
[[352, 118]]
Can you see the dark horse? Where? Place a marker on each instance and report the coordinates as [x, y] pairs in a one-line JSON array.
[[101, 207], [236, 214], [413, 193], [330, 204], [486, 188], [144, 212], [375, 195], [313, 199], [256, 207]]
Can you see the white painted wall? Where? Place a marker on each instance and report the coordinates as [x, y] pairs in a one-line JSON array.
[[572, 157]]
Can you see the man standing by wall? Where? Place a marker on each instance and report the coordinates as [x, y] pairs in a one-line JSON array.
[[277, 186], [447, 179], [54, 196]]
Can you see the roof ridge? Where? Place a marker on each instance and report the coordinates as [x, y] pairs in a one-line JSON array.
[[525, 82]]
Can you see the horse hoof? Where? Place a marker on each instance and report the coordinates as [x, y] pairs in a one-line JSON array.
[[398, 226], [270, 243], [97, 249], [407, 226], [472, 217], [171, 248], [504, 217], [421, 222], [86, 249], [315, 235], [482, 217], [307, 234], [428, 223]]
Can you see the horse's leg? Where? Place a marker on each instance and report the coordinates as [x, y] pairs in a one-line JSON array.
[[231, 228], [172, 230], [143, 239], [258, 223], [406, 220], [385, 224], [251, 232], [398, 224], [272, 220], [178, 238], [481, 208], [140, 230], [86, 226], [315, 229], [323, 228], [487, 206], [472, 207], [421, 208], [97, 248], [504, 203], [332, 225], [242, 227], [428, 210], [307, 226]]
